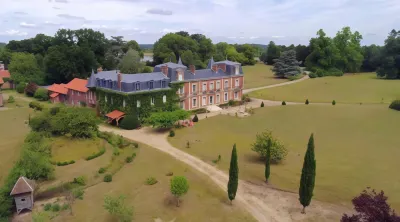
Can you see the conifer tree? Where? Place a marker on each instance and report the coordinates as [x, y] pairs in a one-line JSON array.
[[307, 180], [233, 175], [268, 162]]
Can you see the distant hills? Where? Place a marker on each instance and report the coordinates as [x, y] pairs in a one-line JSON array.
[[146, 46], [2, 44]]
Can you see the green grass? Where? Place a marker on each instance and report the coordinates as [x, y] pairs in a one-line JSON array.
[[66, 149], [12, 134], [359, 88], [356, 146], [259, 75], [203, 202]]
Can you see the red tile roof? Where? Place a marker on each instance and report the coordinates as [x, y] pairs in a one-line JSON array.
[[78, 85], [54, 95], [115, 114], [58, 88], [5, 74], [23, 185]]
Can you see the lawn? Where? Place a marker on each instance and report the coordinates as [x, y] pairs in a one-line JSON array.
[[259, 75], [204, 201], [356, 146], [351, 88], [66, 149]]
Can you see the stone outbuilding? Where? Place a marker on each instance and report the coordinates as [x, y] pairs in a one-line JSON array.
[[23, 194]]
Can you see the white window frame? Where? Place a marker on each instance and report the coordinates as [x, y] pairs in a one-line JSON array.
[[226, 83], [164, 98], [204, 86], [181, 90], [217, 99], [204, 98], [105, 98], [237, 70], [236, 95], [218, 86], [226, 97], [78, 93], [194, 102], [180, 78], [72, 92], [194, 86], [137, 86], [123, 103], [152, 100], [138, 103], [211, 85], [236, 82]]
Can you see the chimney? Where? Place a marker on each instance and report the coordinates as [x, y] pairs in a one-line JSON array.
[[214, 67], [192, 69], [100, 69], [164, 70], [119, 77], [222, 66]]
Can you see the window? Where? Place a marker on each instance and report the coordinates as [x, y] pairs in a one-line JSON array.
[[137, 103], [181, 90], [152, 101], [78, 93], [72, 92], [225, 97], [137, 86], [237, 82], [151, 85], [237, 70], [204, 101], [236, 95], [193, 88], [205, 86], [211, 86], [211, 99], [180, 78], [226, 84], [218, 85], [217, 101], [123, 103], [162, 84], [164, 98], [23, 199], [72, 102], [194, 102]]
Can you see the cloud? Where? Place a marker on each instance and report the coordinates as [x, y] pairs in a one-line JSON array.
[[61, 1], [49, 23], [67, 16], [277, 36], [13, 32], [27, 25], [232, 37], [254, 37], [56, 8], [165, 31], [159, 11], [20, 13]]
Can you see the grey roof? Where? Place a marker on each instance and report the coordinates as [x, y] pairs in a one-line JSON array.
[[171, 65], [129, 78], [92, 80], [206, 74], [210, 63], [227, 62]]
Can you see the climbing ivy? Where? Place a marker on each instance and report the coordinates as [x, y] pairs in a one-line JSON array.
[[115, 101]]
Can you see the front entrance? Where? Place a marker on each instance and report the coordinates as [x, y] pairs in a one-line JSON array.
[[211, 100], [204, 101]]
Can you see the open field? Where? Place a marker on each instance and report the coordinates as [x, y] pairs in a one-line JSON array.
[[351, 88], [356, 147], [204, 201], [259, 75], [66, 149]]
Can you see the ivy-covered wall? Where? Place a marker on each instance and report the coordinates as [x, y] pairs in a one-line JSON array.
[[115, 101]]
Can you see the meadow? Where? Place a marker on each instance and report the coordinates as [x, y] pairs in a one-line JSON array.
[[350, 88], [356, 147], [259, 75]]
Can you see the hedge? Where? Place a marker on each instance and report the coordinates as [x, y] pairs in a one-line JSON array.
[[95, 155], [395, 105]]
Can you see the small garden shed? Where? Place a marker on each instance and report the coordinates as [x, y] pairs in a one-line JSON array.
[[22, 193]]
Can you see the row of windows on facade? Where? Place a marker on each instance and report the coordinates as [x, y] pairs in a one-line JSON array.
[[152, 100], [113, 84], [204, 88], [211, 99]]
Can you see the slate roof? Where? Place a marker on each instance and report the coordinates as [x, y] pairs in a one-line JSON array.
[[129, 78], [227, 62], [23, 185], [205, 74], [210, 63], [78, 85], [172, 65]]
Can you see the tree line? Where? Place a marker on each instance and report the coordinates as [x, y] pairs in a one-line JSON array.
[[343, 53]]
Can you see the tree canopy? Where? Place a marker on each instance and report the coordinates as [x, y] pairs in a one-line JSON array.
[[286, 65], [130, 63], [390, 61]]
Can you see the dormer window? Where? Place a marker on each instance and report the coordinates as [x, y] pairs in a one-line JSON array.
[[180, 77], [151, 85], [162, 84], [137, 86], [237, 70]]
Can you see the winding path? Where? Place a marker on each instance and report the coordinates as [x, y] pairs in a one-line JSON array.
[[276, 85]]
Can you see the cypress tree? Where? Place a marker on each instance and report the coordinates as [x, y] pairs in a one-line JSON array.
[[268, 161], [233, 175], [307, 180]]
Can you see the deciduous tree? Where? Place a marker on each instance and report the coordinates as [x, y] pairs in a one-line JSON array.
[[130, 63], [24, 68], [179, 187], [117, 207]]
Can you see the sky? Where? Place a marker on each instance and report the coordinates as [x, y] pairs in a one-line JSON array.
[[233, 21]]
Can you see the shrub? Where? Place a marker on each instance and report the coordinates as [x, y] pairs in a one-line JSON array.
[[47, 207], [312, 75], [107, 178], [334, 72], [30, 89], [65, 206], [55, 207], [42, 94], [129, 122], [11, 99], [246, 98], [135, 144], [54, 110], [122, 142], [187, 144], [21, 87], [195, 118], [395, 105], [102, 170], [147, 69], [199, 111], [333, 102], [164, 120], [78, 193], [294, 77], [265, 140], [40, 123], [179, 186], [36, 105], [283, 103], [320, 73], [80, 180], [65, 163], [117, 207], [171, 133], [231, 102], [116, 151], [83, 103], [95, 155], [262, 104], [307, 102], [129, 159], [151, 181]]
